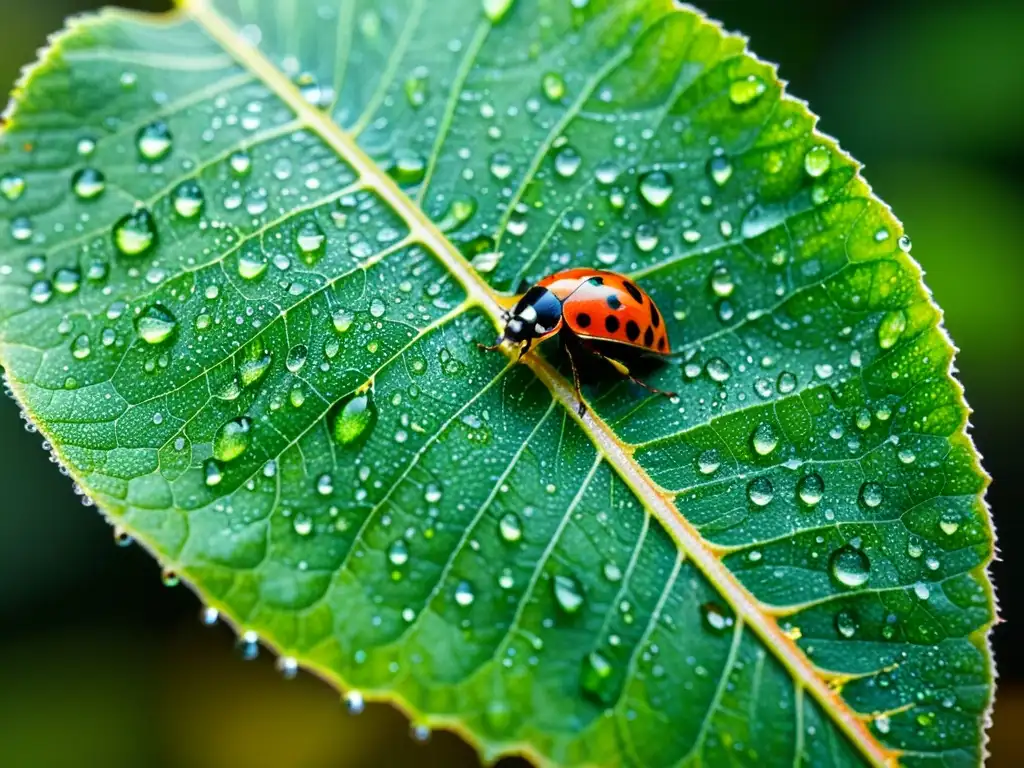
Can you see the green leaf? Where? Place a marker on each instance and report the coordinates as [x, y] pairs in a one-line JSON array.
[[249, 250]]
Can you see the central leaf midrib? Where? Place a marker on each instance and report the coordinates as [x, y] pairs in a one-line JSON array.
[[607, 443]]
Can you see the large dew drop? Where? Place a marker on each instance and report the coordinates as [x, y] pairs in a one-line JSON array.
[[568, 593], [88, 184], [354, 418], [155, 325], [810, 489], [188, 199], [849, 567], [232, 439], [135, 233], [656, 188], [764, 439], [154, 141], [760, 491]]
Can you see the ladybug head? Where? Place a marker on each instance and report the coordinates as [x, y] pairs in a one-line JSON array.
[[537, 315]]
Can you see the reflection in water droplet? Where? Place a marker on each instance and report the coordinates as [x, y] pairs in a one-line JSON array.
[[135, 233], [354, 418], [719, 169], [88, 184], [656, 188], [553, 86], [188, 199], [12, 186], [810, 489], [154, 141], [510, 527], [746, 91], [764, 439], [871, 494], [716, 618], [708, 462], [846, 624], [464, 594], [817, 160], [760, 491], [398, 552]]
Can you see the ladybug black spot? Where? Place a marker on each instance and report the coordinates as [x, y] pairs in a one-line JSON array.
[[633, 291], [655, 316], [613, 301], [632, 330], [661, 344], [583, 320], [649, 337], [611, 323]]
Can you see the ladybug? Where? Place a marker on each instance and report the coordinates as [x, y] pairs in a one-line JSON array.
[[594, 312]]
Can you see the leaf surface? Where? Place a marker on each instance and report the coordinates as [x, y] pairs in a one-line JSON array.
[[249, 250]]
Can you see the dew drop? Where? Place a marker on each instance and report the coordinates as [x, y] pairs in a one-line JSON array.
[[254, 367], [501, 165], [188, 199], [567, 162], [209, 616], [154, 141], [760, 491], [67, 280], [155, 325], [891, 327], [716, 618], [510, 527], [568, 593], [817, 160], [169, 577], [407, 167], [764, 439], [721, 282], [595, 675], [354, 418], [88, 184], [810, 489], [718, 370], [656, 188], [846, 624], [296, 358], [80, 347], [240, 163], [871, 494], [398, 552], [495, 10], [708, 462], [288, 666], [354, 703], [719, 169], [746, 91], [251, 265], [135, 233], [310, 240], [850, 567], [232, 439], [464, 594], [553, 86], [12, 186]]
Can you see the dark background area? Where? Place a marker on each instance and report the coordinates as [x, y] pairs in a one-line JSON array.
[[102, 665]]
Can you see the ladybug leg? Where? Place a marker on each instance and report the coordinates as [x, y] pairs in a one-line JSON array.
[[524, 349], [622, 368], [581, 407]]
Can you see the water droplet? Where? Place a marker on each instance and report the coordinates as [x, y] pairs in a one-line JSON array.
[[232, 439], [495, 10], [88, 183], [209, 616], [169, 577], [41, 291], [606, 172], [567, 162], [568, 593], [914, 548], [288, 666], [212, 474], [354, 703], [251, 265], [656, 188], [612, 572], [721, 282], [595, 676], [718, 370], [122, 538], [416, 87], [846, 624], [850, 567], [871, 494], [407, 167], [378, 307], [882, 723], [310, 239], [922, 591], [354, 418], [325, 485], [80, 347], [810, 489], [21, 229], [719, 169], [460, 210], [891, 327], [135, 233], [746, 91], [510, 527], [67, 280], [155, 325], [296, 358], [398, 552], [948, 524], [708, 462], [464, 594], [608, 251], [342, 320], [905, 244], [501, 165], [553, 86], [12, 186], [240, 162], [254, 365], [817, 160], [188, 199], [154, 141], [760, 491], [764, 439], [786, 383]]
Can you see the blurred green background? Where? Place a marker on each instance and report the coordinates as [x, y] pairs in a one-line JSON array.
[[102, 665]]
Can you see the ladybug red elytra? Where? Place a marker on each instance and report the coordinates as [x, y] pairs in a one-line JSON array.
[[595, 312]]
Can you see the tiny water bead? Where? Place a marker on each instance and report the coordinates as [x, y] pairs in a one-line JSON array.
[[80, 347], [212, 473], [67, 280], [355, 704], [169, 577], [232, 439], [716, 618], [88, 183], [760, 491], [810, 489], [708, 462], [135, 233], [310, 239], [188, 199], [154, 141], [501, 165], [354, 419], [288, 666], [156, 324], [209, 616], [722, 283], [567, 162], [568, 593], [656, 188], [817, 160], [296, 358], [398, 552], [407, 168], [464, 594], [764, 439], [240, 163], [850, 567]]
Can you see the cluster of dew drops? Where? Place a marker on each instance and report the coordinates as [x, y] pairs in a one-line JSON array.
[[135, 234]]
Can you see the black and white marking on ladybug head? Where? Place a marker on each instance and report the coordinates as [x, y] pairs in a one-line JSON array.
[[537, 314]]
